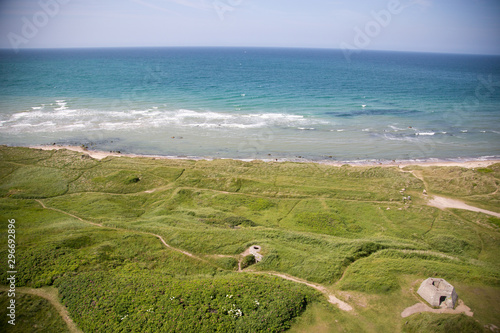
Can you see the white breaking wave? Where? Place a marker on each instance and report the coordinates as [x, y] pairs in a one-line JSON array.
[[397, 129], [407, 138], [61, 118], [62, 105]]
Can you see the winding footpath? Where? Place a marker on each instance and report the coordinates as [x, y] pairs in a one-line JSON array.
[[121, 229], [331, 298], [435, 201], [50, 294], [443, 203]]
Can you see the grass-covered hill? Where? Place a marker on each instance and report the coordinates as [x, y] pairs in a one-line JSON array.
[[95, 231]]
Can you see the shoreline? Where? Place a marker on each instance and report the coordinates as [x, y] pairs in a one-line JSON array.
[[460, 162]]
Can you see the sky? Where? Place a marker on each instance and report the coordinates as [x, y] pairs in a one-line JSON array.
[[445, 26]]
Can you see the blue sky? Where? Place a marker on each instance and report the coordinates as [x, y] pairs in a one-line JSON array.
[[456, 26]]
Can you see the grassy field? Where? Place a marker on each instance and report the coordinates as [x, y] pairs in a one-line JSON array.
[[34, 314], [346, 228]]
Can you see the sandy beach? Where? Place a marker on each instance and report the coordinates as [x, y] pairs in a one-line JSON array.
[[99, 155]]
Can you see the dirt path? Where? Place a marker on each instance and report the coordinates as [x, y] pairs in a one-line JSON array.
[[121, 229], [422, 307], [50, 294], [331, 298], [443, 203], [66, 213]]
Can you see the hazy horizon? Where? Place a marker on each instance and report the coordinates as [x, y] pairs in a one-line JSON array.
[[427, 26], [235, 47]]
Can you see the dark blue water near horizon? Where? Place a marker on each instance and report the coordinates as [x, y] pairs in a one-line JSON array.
[[254, 102]]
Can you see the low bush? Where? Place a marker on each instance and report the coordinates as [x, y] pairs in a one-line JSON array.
[[248, 260], [111, 302], [234, 221]]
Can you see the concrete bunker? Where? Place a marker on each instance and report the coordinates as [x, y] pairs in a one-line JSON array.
[[255, 249], [438, 293]]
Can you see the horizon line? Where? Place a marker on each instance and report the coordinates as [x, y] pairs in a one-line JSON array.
[[236, 47]]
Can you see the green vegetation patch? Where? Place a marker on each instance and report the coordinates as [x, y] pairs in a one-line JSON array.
[[379, 273], [494, 220], [247, 261], [342, 227], [100, 207], [141, 302], [33, 314], [477, 186], [449, 244], [228, 263], [441, 323], [34, 182]]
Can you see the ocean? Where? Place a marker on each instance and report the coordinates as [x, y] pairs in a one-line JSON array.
[[254, 103]]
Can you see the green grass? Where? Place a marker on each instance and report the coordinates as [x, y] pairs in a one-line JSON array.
[[33, 314], [442, 323], [232, 303], [475, 186], [347, 228]]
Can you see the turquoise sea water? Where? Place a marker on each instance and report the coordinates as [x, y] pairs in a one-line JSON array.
[[254, 103]]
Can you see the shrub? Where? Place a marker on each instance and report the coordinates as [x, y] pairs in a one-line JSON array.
[[248, 261], [132, 180], [149, 302], [234, 221]]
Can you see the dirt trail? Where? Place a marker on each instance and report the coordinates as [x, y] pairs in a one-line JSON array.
[[421, 307], [331, 298], [121, 229], [66, 213], [442, 203], [50, 294]]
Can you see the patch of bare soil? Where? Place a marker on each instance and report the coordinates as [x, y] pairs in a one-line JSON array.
[[422, 307], [443, 203]]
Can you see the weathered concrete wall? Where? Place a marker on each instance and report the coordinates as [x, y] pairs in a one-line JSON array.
[[433, 289], [255, 249]]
